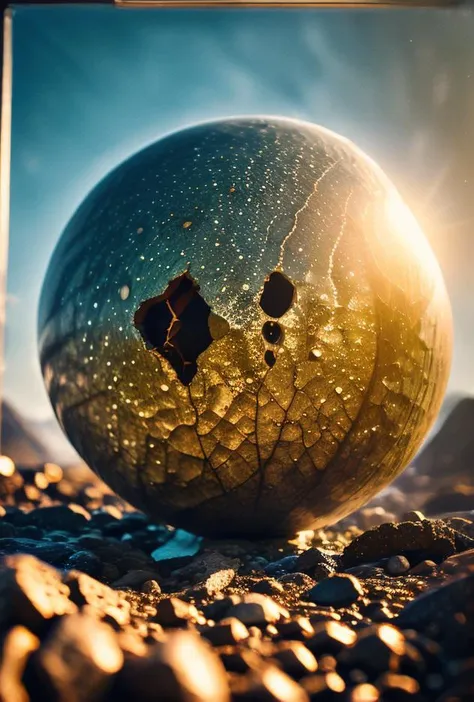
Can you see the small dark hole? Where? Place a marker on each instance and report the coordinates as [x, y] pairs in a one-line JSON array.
[[272, 332], [278, 295], [270, 359], [175, 324]]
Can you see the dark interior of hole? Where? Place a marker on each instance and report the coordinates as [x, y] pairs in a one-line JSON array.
[[270, 359], [272, 332], [278, 294], [176, 325]]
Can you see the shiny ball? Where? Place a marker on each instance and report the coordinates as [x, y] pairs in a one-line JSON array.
[[243, 330]]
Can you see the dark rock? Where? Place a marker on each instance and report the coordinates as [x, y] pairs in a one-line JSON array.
[[331, 637], [340, 590], [137, 578], [216, 582], [309, 560], [363, 571], [52, 553], [282, 567], [31, 593], [10, 484], [268, 586], [415, 540], [298, 628], [101, 518], [51, 535], [15, 516], [151, 587], [173, 612], [6, 529], [324, 687], [220, 607], [58, 517], [30, 532], [438, 607], [182, 669], [397, 565], [85, 561], [364, 692], [299, 580], [399, 688], [295, 659], [257, 609], [228, 632], [17, 647], [90, 541], [268, 684], [101, 598], [377, 611], [77, 660], [378, 648], [424, 568], [239, 660]]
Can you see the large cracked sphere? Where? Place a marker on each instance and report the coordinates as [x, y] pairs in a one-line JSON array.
[[243, 330]]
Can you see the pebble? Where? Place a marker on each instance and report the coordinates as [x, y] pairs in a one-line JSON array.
[[17, 647], [415, 540], [439, 607], [174, 612], [340, 590], [182, 669], [85, 590], [55, 554], [136, 579], [269, 586], [365, 692], [268, 684], [281, 567], [424, 568], [378, 648], [298, 628], [295, 659], [227, 632], [325, 687], [310, 559], [331, 637], [31, 593], [216, 582], [85, 561], [57, 517], [299, 580], [257, 609], [77, 660], [397, 565]]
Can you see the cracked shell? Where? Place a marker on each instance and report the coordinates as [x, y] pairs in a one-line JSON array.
[[243, 330]]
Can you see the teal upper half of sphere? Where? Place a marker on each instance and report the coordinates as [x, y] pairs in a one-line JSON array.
[[243, 329]]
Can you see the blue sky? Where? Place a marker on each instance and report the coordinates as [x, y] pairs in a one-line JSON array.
[[92, 85]]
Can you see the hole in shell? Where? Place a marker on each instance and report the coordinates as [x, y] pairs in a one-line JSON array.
[[270, 358], [272, 332], [179, 325], [278, 295]]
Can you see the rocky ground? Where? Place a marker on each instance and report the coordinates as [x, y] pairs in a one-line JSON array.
[[97, 603]]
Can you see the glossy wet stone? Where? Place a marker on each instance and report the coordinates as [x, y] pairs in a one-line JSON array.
[[156, 355]]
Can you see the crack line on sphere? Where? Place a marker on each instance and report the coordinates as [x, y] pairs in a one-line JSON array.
[[334, 249], [302, 208]]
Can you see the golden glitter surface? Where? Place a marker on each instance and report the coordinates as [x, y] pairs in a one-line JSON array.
[[243, 330]]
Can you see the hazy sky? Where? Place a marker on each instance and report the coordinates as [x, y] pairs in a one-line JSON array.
[[92, 85]]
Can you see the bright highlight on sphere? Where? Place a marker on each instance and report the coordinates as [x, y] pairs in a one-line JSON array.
[[243, 330]]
